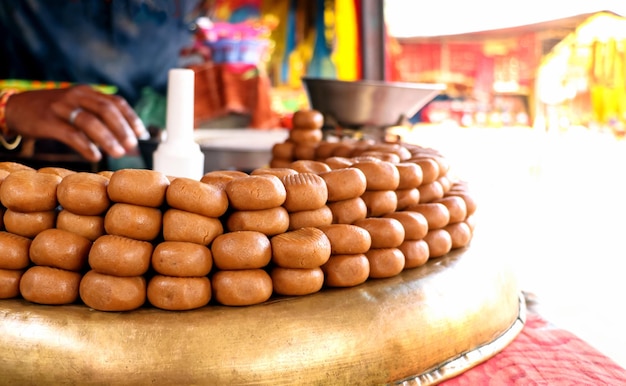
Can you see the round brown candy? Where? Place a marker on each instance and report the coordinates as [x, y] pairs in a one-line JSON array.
[[256, 192], [84, 193], [10, 283], [142, 187], [310, 218], [348, 211], [179, 293], [307, 119], [310, 166], [304, 191], [456, 206], [120, 256], [29, 224], [60, 249], [437, 215], [385, 262], [112, 293], [439, 242], [48, 285], [460, 234], [270, 222], [90, 227], [220, 178], [297, 282], [133, 221], [303, 136], [179, 258], [30, 191], [380, 175], [241, 250], [346, 270], [380, 202], [180, 225], [197, 197], [301, 248], [242, 287], [15, 250], [415, 253], [343, 184]]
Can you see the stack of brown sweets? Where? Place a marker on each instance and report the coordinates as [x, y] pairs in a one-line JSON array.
[[120, 240]]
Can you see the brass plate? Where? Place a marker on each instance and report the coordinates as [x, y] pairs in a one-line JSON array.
[[380, 332]]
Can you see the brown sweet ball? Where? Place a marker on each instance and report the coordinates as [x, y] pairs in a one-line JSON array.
[[307, 119], [437, 214], [182, 259], [325, 150], [142, 187], [439, 242], [10, 283], [221, 178], [345, 183], [304, 191], [133, 221], [304, 151], [430, 169], [112, 293], [29, 191], [278, 172], [407, 198], [48, 285], [310, 166], [180, 225], [301, 248], [442, 162], [430, 192], [296, 281], [120, 256], [256, 192], [241, 250], [84, 193], [346, 270], [456, 206], [310, 218], [280, 162], [385, 232], [348, 211], [283, 150], [471, 222], [11, 166], [385, 262], [380, 175], [396, 148], [338, 162], [470, 202], [90, 227], [382, 156], [460, 233], [29, 224], [61, 172], [347, 239], [415, 224], [303, 136], [380, 202], [446, 183], [415, 253], [346, 149], [15, 251], [197, 197], [179, 293], [242, 287], [60, 249], [270, 222], [411, 175]]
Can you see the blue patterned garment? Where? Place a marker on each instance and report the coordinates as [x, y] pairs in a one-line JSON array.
[[127, 43]]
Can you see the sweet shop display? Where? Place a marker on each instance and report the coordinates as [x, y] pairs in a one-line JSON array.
[[321, 224]]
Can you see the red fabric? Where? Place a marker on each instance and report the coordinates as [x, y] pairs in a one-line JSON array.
[[544, 355]]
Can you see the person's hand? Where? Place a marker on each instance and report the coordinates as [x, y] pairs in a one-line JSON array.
[[80, 116]]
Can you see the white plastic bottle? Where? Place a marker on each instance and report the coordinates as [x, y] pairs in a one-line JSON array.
[[178, 155]]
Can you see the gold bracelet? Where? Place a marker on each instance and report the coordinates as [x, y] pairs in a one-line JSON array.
[[10, 145], [4, 129]]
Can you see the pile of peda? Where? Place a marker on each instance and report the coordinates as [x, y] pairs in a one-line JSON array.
[[347, 212]]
